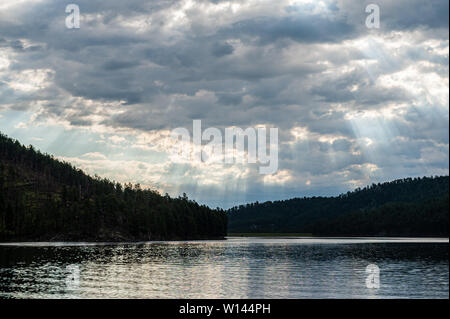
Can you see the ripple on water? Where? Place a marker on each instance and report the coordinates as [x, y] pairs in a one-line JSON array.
[[236, 268]]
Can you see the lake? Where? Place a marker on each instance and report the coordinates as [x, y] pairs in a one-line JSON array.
[[233, 268]]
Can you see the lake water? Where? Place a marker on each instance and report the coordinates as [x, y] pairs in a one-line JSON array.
[[234, 268]]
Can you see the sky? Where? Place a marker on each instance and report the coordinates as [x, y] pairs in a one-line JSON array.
[[353, 105]]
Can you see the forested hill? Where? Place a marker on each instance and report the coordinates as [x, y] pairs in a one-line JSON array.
[[42, 198], [406, 207]]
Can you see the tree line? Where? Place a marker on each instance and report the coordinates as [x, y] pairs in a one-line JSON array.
[[42, 198], [404, 207]]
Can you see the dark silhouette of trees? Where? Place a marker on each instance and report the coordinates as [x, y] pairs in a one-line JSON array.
[[405, 207], [43, 198]]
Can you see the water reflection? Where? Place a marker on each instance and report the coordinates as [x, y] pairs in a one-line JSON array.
[[236, 268]]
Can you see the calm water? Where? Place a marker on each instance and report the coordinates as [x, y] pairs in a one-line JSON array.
[[235, 268]]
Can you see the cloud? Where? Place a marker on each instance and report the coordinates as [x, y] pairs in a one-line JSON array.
[[222, 49], [353, 105]]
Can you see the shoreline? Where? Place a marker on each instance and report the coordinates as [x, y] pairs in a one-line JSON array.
[[309, 235], [342, 240]]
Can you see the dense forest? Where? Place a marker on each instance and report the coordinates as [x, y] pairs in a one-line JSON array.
[[42, 198], [406, 207]]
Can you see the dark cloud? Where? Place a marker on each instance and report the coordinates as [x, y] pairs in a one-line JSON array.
[[230, 99], [299, 28], [221, 49], [114, 65]]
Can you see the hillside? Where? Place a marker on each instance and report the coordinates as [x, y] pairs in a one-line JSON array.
[[42, 198], [406, 207]]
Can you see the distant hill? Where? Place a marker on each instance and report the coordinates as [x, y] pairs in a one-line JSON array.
[[406, 207], [42, 198]]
